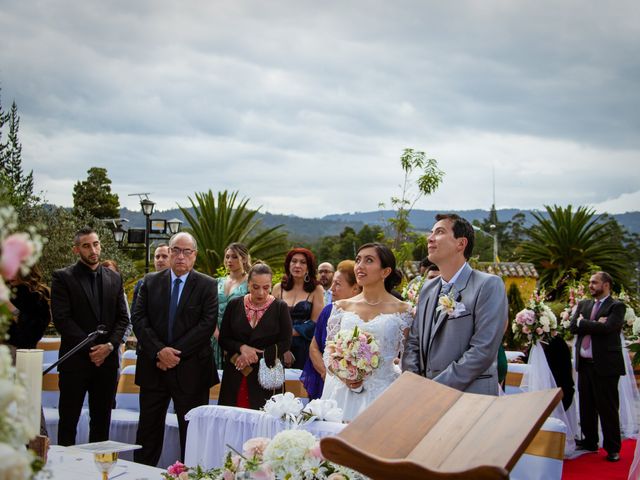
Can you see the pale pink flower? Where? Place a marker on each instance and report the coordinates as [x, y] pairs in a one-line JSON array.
[[539, 331], [16, 248], [255, 446], [336, 476], [316, 452], [183, 476], [526, 330], [228, 475]]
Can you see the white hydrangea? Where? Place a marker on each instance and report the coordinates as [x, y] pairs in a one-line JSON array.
[[287, 450], [629, 316]]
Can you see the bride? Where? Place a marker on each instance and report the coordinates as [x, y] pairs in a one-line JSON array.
[[377, 312]]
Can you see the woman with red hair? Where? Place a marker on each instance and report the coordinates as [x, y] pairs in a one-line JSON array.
[[305, 297]]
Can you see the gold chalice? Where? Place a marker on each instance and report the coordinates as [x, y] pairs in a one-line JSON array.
[[105, 462]]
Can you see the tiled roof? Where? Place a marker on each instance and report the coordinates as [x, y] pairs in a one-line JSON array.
[[510, 269]]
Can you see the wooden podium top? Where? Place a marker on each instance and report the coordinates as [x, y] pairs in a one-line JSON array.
[[420, 429]]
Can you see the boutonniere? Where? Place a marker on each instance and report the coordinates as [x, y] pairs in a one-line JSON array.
[[447, 303]]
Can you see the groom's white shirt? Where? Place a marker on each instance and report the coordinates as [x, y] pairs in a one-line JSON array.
[[460, 351]]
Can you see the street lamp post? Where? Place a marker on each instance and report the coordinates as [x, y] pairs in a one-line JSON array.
[[160, 227], [147, 209]]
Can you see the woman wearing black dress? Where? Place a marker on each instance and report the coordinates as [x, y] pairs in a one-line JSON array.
[[305, 297], [254, 325], [30, 302]]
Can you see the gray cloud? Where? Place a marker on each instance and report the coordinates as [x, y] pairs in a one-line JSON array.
[[306, 108]]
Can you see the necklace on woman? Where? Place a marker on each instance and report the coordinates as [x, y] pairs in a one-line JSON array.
[[372, 304]]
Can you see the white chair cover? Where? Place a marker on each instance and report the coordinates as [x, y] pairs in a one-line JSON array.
[[127, 400], [533, 467], [539, 377], [513, 354], [519, 369], [52, 419], [292, 373], [628, 393], [171, 445]]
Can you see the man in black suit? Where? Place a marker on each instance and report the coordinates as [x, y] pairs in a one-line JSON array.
[[599, 362], [84, 296], [174, 318]]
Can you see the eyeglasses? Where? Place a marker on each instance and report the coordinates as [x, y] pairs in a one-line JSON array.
[[187, 252]]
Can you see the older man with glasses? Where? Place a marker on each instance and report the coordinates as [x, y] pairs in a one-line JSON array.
[[174, 318]]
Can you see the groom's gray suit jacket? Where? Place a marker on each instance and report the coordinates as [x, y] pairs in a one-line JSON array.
[[460, 352]]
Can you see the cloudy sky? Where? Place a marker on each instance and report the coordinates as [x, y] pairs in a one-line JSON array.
[[305, 107]]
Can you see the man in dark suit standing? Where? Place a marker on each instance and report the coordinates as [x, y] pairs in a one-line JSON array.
[[84, 296], [599, 362], [174, 318]]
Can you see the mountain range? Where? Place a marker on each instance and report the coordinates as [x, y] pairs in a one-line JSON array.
[[311, 229]]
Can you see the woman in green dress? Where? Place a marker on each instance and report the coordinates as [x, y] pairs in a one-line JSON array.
[[237, 261]]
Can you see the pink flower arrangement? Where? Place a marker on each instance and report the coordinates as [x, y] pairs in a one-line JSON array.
[[536, 322]]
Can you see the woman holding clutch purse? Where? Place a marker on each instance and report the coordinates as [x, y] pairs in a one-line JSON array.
[[254, 326]]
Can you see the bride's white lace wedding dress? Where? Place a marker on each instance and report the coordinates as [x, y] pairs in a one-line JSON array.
[[387, 329]]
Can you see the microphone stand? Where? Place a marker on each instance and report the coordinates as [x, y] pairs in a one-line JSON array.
[[100, 331]]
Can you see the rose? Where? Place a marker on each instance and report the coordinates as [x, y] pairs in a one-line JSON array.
[[16, 248], [176, 469], [254, 447]]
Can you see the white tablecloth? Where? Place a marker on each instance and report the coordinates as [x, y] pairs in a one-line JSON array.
[[64, 463], [212, 428]]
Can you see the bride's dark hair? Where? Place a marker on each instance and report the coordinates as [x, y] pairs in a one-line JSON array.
[[387, 260]]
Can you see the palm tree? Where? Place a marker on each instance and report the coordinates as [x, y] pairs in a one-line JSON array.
[[216, 226], [568, 245]]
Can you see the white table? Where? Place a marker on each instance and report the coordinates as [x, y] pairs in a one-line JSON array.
[[212, 428], [65, 463]]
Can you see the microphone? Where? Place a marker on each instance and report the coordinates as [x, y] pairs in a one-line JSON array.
[[100, 330]]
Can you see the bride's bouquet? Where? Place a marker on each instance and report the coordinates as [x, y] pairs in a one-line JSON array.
[[352, 355]]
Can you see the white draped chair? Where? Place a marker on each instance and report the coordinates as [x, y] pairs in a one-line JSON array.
[[129, 357], [515, 373]]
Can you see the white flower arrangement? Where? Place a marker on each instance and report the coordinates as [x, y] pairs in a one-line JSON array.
[[288, 408], [18, 252]]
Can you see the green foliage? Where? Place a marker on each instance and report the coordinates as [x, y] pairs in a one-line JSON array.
[[430, 177], [215, 226], [17, 188], [94, 196], [59, 225], [568, 245], [516, 304], [334, 249]]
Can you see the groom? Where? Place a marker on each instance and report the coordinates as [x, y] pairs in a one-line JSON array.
[[461, 315]]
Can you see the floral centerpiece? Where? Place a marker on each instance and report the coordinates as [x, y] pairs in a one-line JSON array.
[[536, 323], [18, 252], [352, 355], [291, 454]]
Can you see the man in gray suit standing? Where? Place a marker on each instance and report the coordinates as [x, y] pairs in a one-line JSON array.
[[461, 315]]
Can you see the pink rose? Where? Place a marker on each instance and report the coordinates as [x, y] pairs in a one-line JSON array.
[[228, 475], [526, 330], [263, 473], [176, 469], [336, 476], [16, 249], [183, 476]]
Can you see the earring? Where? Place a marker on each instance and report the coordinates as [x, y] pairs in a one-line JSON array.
[[306, 277]]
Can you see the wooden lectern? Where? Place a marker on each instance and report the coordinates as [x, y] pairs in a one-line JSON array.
[[420, 429]]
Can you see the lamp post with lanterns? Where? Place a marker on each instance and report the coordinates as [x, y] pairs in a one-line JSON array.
[[159, 228]]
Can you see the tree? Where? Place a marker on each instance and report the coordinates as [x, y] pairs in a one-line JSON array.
[[94, 196], [59, 225], [216, 226], [335, 248], [17, 187], [431, 176], [568, 245]]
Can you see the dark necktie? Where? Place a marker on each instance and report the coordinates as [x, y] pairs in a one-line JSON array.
[[586, 341], [173, 306], [93, 277]]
